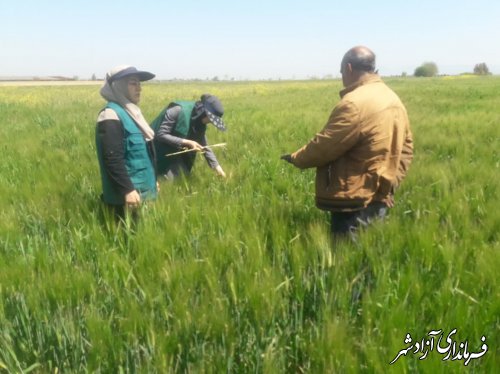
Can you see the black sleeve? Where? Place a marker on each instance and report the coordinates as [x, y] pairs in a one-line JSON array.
[[111, 135]]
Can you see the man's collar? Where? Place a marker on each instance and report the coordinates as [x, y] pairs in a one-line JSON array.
[[365, 79]]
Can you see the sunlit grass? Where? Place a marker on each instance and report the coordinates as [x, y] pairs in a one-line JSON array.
[[239, 275]]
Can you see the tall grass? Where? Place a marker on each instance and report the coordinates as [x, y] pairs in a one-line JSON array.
[[239, 275]]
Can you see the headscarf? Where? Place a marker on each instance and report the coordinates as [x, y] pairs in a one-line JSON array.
[[117, 91]]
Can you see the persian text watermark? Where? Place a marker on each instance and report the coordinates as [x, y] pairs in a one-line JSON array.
[[452, 349]]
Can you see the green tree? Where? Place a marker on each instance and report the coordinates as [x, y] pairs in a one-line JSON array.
[[481, 69], [427, 69]]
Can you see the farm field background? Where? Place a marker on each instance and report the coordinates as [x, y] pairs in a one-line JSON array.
[[239, 275]]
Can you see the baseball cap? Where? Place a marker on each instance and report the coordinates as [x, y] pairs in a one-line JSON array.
[[214, 110]]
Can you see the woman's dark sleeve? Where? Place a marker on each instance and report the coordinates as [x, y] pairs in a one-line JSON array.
[[111, 135], [209, 154], [165, 133]]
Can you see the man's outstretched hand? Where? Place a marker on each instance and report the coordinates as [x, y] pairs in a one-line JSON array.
[[287, 158]]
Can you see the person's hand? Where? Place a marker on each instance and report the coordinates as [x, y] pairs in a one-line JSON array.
[[287, 158], [389, 201], [191, 144], [132, 199], [220, 172]]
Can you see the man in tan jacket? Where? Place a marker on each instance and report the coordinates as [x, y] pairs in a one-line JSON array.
[[363, 152]]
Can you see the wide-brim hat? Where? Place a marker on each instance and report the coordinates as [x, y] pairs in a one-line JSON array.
[[214, 111], [123, 71]]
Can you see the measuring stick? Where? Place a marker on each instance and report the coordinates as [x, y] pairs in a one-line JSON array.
[[194, 150]]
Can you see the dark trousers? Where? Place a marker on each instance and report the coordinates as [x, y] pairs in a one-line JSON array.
[[345, 223], [123, 216], [180, 166]]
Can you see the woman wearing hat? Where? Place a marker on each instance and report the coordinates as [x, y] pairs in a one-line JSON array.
[[183, 124], [124, 142]]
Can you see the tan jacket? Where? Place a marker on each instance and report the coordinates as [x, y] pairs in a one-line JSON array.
[[364, 151]]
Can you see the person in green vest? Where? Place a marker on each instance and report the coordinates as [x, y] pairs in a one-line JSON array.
[[124, 143], [183, 125]]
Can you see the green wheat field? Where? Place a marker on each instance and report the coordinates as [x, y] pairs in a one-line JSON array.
[[239, 275]]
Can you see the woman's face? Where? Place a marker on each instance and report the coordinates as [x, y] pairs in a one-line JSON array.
[[134, 89]]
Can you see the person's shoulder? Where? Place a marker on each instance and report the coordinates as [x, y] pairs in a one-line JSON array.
[[348, 103], [173, 111], [107, 114]]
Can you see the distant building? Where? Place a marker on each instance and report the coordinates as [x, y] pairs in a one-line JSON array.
[[35, 78]]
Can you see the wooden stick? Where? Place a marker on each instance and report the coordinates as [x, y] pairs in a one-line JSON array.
[[194, 150]]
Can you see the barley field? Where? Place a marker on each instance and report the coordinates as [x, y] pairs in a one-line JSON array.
[[239, 275]]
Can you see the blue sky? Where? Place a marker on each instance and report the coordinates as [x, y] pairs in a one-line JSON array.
[[244, 39]]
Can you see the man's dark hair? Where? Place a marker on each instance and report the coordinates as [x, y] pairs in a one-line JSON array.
[[360, 58]]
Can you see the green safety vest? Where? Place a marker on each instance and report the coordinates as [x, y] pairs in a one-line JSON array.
[[181, 130], [138, 161]]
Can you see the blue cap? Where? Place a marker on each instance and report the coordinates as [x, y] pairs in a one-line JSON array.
[[214, 110]]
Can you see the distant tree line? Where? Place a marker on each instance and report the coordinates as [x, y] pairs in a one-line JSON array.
[[427, 69], [481, 69], [430, 69]]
